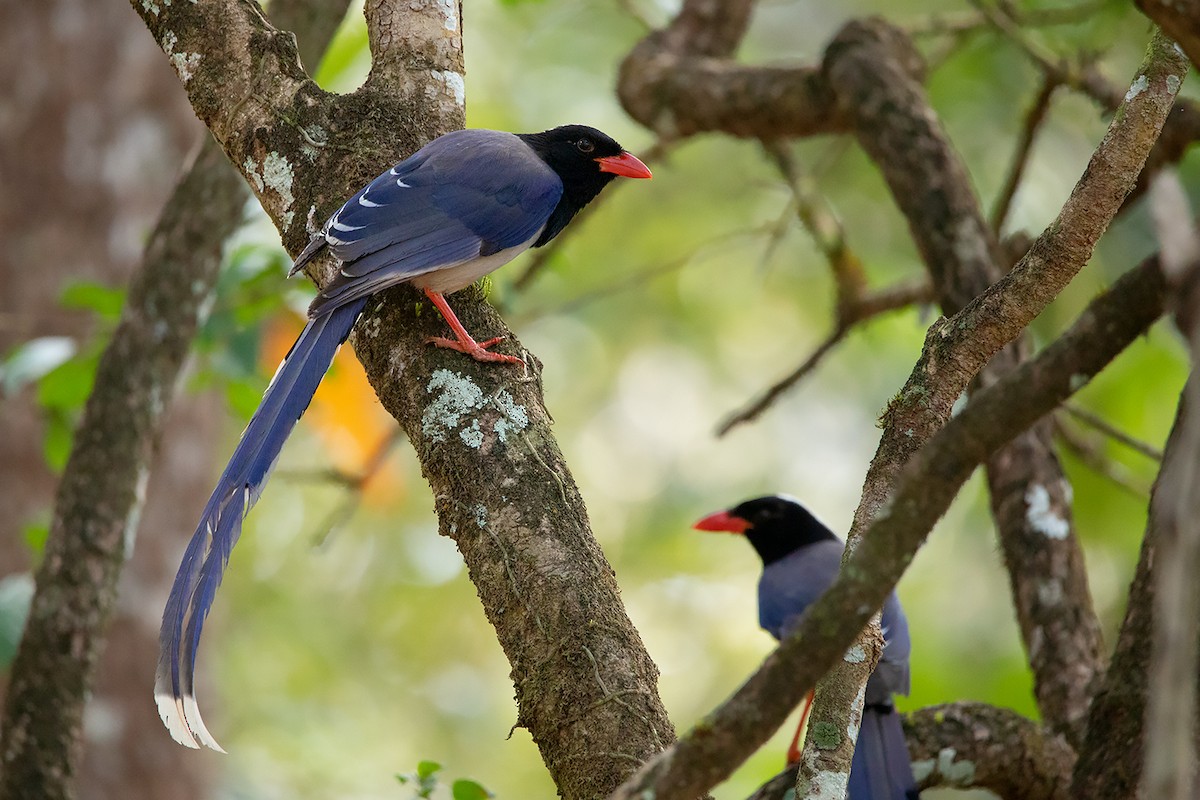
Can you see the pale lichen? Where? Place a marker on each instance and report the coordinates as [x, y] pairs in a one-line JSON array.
[[185, 64], [457, 396], [956, 773], [275, 174], [1137, 87], [855, 655], [449, 10], [454, 83], [824, 784], [472, 437], [1041, 516]]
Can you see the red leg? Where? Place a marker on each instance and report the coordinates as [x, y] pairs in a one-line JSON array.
[[463, 342], [793, 754]]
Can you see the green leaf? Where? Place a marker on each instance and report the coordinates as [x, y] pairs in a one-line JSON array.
[[57, 441], [35, 535], [106, 301], [30, 361], [68, 385], [465, 789], [426, 769]]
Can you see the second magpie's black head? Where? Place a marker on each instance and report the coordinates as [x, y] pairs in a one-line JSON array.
[[776, 525], [585, 160]]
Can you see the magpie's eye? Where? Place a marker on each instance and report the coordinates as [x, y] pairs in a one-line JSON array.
[[585, 145]]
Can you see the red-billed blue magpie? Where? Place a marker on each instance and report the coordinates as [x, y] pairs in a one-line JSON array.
[[801, 558], [463, 205]]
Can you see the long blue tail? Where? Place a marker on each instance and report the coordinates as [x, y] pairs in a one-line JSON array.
[[241, 483], [880, 769]]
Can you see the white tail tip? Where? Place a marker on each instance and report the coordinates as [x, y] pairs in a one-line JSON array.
[[181, 715]]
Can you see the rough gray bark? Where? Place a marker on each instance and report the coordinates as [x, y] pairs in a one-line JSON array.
[[585, 687]]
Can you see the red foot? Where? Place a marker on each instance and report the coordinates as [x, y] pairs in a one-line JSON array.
[[463, 342], [476, 350]]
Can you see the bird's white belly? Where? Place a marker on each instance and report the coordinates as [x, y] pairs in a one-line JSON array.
[[450, 279]]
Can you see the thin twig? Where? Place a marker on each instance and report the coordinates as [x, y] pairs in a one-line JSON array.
[[1094, 420], [863, 309], [822, 224], [956, 24], [1091, 454], [640, 278], [355, 483], [1080, 76]]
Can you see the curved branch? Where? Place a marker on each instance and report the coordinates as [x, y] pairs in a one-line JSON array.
[[678, 81]]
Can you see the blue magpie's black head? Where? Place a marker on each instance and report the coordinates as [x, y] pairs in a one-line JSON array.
[[585, 160], [776, 525]]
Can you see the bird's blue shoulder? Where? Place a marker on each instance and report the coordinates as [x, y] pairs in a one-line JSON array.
[[793, 583], [487, 184]]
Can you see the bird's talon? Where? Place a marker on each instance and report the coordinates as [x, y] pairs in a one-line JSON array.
[[476, 350]]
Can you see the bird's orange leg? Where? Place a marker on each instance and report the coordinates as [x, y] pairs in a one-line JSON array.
[[793, 754], [463, 341]]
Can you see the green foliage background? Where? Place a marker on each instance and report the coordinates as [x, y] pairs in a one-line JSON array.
[[332, 663]]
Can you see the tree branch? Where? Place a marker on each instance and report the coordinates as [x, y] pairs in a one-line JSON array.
[[677, 81], [1171, 745]]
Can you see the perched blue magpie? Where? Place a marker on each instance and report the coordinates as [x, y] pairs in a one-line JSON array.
[[463, 205], [801, 558]]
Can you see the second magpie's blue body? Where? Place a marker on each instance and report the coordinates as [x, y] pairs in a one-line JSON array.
[[458, 208], [801, 558]]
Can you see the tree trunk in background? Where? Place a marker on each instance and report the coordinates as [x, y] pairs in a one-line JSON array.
[[95, 131]]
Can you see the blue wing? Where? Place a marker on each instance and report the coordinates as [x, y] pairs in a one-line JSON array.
[[467, 194]]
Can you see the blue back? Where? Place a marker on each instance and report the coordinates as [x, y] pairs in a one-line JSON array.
[[466, 194]]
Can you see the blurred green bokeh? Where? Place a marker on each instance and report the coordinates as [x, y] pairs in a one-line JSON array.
[[329, 669]]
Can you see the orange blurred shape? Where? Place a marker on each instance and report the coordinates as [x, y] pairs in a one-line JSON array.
[[345, 413]]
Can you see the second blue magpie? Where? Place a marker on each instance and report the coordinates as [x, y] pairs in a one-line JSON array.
[[801, 558], [463, 205]]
